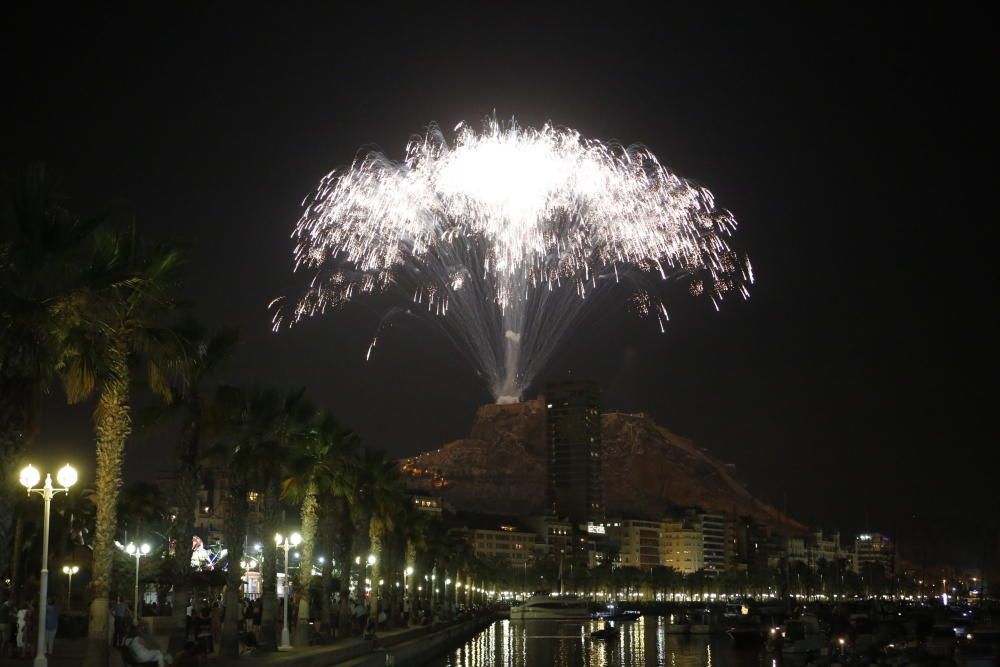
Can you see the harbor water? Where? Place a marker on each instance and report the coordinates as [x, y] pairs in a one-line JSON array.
[[643, 642]]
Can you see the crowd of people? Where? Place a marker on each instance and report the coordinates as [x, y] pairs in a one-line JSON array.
[[19, 628]]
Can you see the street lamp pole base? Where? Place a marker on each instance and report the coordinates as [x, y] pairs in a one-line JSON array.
[[286, 644]]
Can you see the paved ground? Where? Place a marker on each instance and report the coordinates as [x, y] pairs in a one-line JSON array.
[[69, 652]]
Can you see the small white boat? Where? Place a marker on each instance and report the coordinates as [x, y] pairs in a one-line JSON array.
[[550, 607]]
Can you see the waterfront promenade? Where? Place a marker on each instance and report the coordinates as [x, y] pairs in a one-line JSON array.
[[406, 645]]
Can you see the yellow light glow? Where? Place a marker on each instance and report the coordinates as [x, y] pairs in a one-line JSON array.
[[296, 539], [66, 476], [30, 476]]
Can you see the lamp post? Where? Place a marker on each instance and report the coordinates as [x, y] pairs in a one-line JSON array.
[[137, 552], [374, 609], [29, 477], [286, 543], [408, 572], [69, 571]]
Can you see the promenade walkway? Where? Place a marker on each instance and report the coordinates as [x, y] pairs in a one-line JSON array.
[[408, 645]]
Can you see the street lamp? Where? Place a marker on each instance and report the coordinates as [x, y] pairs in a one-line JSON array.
[[408, 572], [138, 552], [69, 571], [286, 543], [29, 477], [374, 610]]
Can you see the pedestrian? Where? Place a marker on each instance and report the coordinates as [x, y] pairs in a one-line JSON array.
[[203, 631], [189, 619], [216, 618], [120, 612], [258, 612], [248, 615], [6, 620], [51, 625]]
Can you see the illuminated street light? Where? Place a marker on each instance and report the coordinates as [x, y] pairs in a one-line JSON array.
[[69, 571], [29, 478], [408, 572], [138, 552], [286, 544]]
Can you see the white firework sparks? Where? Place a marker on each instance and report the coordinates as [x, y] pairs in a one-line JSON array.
[[505, 236]]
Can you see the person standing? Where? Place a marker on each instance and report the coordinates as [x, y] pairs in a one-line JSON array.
[[216, 618], [189, 625], [122, 622], [6, 617], [21, 635], [51, 625]]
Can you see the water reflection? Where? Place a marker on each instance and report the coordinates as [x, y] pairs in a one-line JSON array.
[[640, 643]]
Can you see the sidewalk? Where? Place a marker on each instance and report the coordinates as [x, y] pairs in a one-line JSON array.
[[325, 654], [352, 651]]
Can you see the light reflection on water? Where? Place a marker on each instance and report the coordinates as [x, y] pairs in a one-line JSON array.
[[640, 643]]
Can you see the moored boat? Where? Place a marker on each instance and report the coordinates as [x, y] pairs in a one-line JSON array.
[[542, 606]]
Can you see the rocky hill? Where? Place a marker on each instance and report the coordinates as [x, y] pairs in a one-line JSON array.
[[647, 469]]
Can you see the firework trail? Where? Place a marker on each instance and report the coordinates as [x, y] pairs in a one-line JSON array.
[[507, 235]]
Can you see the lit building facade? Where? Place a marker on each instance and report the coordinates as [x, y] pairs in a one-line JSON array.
[[499, 538], [640, 543], [875, 548]]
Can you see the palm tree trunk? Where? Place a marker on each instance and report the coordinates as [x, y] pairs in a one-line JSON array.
[[375, 540], [273, 563], [16, 428], [112, 426], [8, 495], [325, 542], [186, 499], [15, 563], [308, 516], [342, 555], [326, 608], [236, 530]]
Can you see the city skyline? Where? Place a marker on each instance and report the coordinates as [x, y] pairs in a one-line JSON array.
[[844, 376]]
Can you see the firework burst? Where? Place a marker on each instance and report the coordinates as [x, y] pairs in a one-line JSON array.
[[507, 234]]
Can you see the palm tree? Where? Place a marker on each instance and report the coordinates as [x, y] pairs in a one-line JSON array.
[[205, 353], [319, 470], [258, 427], [40, 268], [104, 332], [383, 497], [239, 438], [285, 420], [344, 517], [142, 508]]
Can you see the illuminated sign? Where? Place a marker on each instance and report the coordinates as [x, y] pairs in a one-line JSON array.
[[595, 529]]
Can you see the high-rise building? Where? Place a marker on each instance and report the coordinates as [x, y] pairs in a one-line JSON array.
[[683, 544], [498, 538], [696, 541], [875, 548], [573, 434], [640, 544]]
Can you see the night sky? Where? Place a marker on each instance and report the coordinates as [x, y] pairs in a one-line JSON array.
[[850, 145]]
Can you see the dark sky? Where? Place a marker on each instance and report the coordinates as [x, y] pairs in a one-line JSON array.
[[849, 144]]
